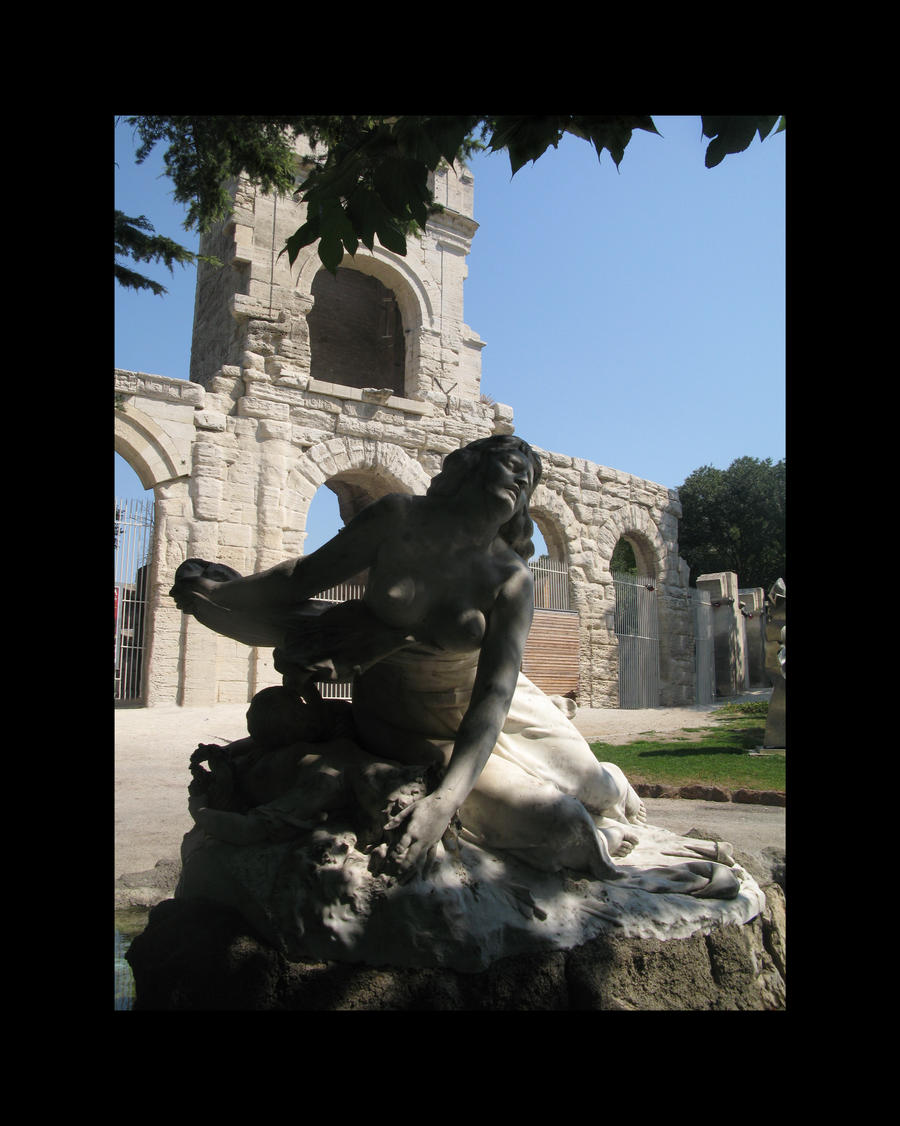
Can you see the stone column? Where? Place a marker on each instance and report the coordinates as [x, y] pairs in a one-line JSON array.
[[162, 665], [728, 633], [753, 608], [199, 645]]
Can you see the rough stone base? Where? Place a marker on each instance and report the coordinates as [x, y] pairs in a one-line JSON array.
[[146, 889], [200, 957]]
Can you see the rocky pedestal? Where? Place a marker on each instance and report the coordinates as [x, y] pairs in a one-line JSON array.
[[201, 957], [484, 935]]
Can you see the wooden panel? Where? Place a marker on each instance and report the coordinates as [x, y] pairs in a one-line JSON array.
[[551, 652]]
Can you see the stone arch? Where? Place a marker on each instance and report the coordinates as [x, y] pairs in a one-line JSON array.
[[652, 555], [356, 332], [637, 526], [149, 451], [562, 534], [357, 471], [411, 292], [545, 510], [416, 306], [556, 522]]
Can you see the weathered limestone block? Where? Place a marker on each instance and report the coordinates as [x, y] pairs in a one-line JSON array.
[[503, 419], [210, 420], [305, 436], [272, 430], [207, 495], [255, 407], [235, 535]]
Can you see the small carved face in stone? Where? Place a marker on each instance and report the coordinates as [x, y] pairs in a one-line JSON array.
[[278, 717]]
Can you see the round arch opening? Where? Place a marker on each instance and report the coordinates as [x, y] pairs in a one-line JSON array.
[[356, 332], [632, 556]]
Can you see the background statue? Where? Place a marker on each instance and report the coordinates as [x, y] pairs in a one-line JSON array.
[[435, 649]]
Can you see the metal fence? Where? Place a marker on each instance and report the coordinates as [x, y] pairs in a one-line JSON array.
[[134, 541], [551, 592], [134, 537], [637, 634], [343, 592], [551, 583], [704, 646]]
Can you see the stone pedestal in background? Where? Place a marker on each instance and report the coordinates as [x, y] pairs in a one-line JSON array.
[[775, 666], [728, 633]]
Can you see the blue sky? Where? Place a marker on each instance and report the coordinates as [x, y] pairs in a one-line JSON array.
[[635, 318]]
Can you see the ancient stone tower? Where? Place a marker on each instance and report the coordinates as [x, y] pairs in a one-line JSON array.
[[360, 383]]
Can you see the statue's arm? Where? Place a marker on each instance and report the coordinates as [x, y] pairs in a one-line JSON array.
[[287, 584], [495, 682]]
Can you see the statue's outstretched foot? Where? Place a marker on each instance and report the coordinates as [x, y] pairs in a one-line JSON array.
[[635, 810], [619, 840]]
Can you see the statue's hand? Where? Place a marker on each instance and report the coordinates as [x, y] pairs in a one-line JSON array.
[[425, 822]]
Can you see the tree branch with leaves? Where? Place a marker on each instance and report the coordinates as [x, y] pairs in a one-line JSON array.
[[366, 178]]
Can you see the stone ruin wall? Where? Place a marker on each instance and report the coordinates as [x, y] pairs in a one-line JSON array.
[[236, 455]]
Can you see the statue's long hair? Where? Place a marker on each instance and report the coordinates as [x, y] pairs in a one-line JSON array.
[[457, 465]]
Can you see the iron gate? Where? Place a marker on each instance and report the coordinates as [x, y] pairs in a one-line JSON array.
[[551, 583], [339, 689], [551, 592], [134, 540], [704, 646], [637, 634]]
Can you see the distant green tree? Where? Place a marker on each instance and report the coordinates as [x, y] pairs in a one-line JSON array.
[[623, 561], [368, 176], [734, 520]]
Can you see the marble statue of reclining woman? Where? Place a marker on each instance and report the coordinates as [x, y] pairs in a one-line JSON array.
[[435, 650]]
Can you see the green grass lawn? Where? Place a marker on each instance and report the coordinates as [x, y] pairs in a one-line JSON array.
[[711, 756]]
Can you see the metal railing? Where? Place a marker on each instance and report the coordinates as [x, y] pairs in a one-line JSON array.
[[637, 634], [551, 583], [343, 592], [134, 541], [704, 646]]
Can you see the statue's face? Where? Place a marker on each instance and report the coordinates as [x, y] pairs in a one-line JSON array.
[[509, 476]]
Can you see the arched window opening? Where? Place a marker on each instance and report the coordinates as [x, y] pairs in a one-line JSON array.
[[549, 569], [551, 655], [134, 525], [323, 520], [624, 561], [334, 505], [636, 623], [356, 335]]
